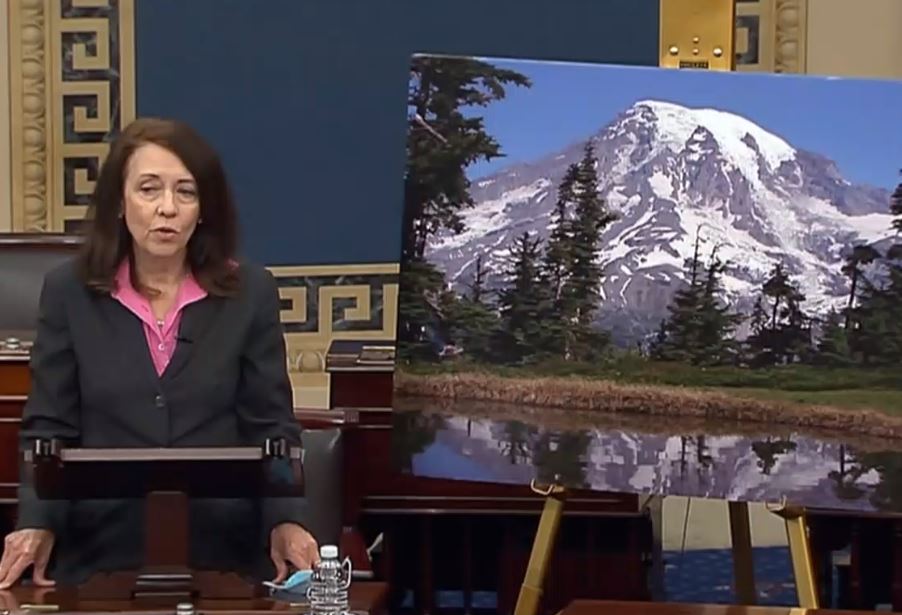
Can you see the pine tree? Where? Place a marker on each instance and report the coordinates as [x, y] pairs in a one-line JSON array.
[[658, 347], [768, 450], [715, 344], [472, 320], [520, 302], [558, 312], [471, 325], [877, 335], [895, 206], [787, 335], [590, 218], [778, 288], [860, 255], [680, 332], [477, 286], [796, 334], [701, 325], [443, 140], [833, 347], [419, 289], [759, 319], [582, 291], [559, 248]]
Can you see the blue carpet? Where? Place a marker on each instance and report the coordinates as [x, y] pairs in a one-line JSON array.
[[703, 576], [707, 576]]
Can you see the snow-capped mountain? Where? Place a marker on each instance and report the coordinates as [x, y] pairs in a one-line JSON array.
[[670, 172]]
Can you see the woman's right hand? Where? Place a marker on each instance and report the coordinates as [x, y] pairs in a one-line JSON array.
[[23, 548]]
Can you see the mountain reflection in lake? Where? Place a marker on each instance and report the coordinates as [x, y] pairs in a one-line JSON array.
[[648, 455]]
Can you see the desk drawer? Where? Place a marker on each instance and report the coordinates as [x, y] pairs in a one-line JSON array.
[[15, 376], [9, 463]]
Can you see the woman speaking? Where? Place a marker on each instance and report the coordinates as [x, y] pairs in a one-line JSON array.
[[156, 336]]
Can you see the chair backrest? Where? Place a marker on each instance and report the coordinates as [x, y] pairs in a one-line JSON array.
[[24, 260], [323, 478]]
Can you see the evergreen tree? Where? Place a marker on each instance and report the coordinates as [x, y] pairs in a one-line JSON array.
[[795, 336], [520, 302], [443, 140], [860, 255], [759, 319], [768, 450], [787, 335], [877, 336], [833, 347], [419, 316], [559, 247], [562, 458], [658, 347], [715, 344], [680, 331], [701, 325], [590, 218], [477, 286], [470, 325], [582, 291], [471, 320], [558, 312], [570, 274], [778, 288], [895, 207], [759, 343]]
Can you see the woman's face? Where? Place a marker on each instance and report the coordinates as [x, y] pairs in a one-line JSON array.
[[161, 205]]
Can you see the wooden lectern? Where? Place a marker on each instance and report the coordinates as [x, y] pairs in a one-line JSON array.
[[166, 478]]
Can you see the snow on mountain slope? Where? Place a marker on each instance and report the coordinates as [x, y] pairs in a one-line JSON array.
[[670, 172]]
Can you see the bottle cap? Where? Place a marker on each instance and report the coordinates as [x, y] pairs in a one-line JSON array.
[[328, 552]]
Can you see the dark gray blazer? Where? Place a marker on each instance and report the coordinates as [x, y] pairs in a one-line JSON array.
[[94, 385]]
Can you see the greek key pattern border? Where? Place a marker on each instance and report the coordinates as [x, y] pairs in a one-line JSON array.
[[325, 303], [72, 89]]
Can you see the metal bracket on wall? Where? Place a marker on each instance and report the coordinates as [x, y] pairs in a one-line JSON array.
[[697, 34]]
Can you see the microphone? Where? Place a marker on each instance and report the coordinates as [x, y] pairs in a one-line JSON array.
[[179, 338]]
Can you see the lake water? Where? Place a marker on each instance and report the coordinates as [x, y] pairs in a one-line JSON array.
[[648, 455]]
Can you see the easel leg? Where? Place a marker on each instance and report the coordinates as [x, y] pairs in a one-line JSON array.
[[802, 565], [800, 553], [743, 562], [542, 547]]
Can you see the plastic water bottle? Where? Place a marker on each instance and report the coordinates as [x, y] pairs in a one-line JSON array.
[[328, 590]]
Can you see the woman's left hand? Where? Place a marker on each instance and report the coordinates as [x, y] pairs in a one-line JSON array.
[[289, 542]]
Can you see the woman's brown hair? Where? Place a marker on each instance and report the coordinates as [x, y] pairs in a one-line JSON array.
[[212, 247]]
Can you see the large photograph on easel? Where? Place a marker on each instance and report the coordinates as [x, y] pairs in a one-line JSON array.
[[636, 279]]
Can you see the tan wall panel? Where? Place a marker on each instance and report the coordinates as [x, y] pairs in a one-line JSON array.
[[857, 38], [6, 220]]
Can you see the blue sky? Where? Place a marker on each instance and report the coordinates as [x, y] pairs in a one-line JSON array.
[[856, 122]]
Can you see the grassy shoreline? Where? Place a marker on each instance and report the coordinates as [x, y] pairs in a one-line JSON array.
[[792, 408]]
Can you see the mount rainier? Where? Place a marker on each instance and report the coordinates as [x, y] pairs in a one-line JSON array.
[[670, 172]]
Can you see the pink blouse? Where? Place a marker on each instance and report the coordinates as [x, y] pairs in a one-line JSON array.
[[161, 336]]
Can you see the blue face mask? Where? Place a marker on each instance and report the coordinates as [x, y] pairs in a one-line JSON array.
[[298, 578]]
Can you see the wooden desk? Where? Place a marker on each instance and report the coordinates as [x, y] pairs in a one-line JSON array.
[[366, 598], [604, 607]]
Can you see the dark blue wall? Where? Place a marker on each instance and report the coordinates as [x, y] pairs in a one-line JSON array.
[[306, 99]]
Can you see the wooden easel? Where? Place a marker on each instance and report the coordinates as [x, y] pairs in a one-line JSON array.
[[542, 547], [800, 552]]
